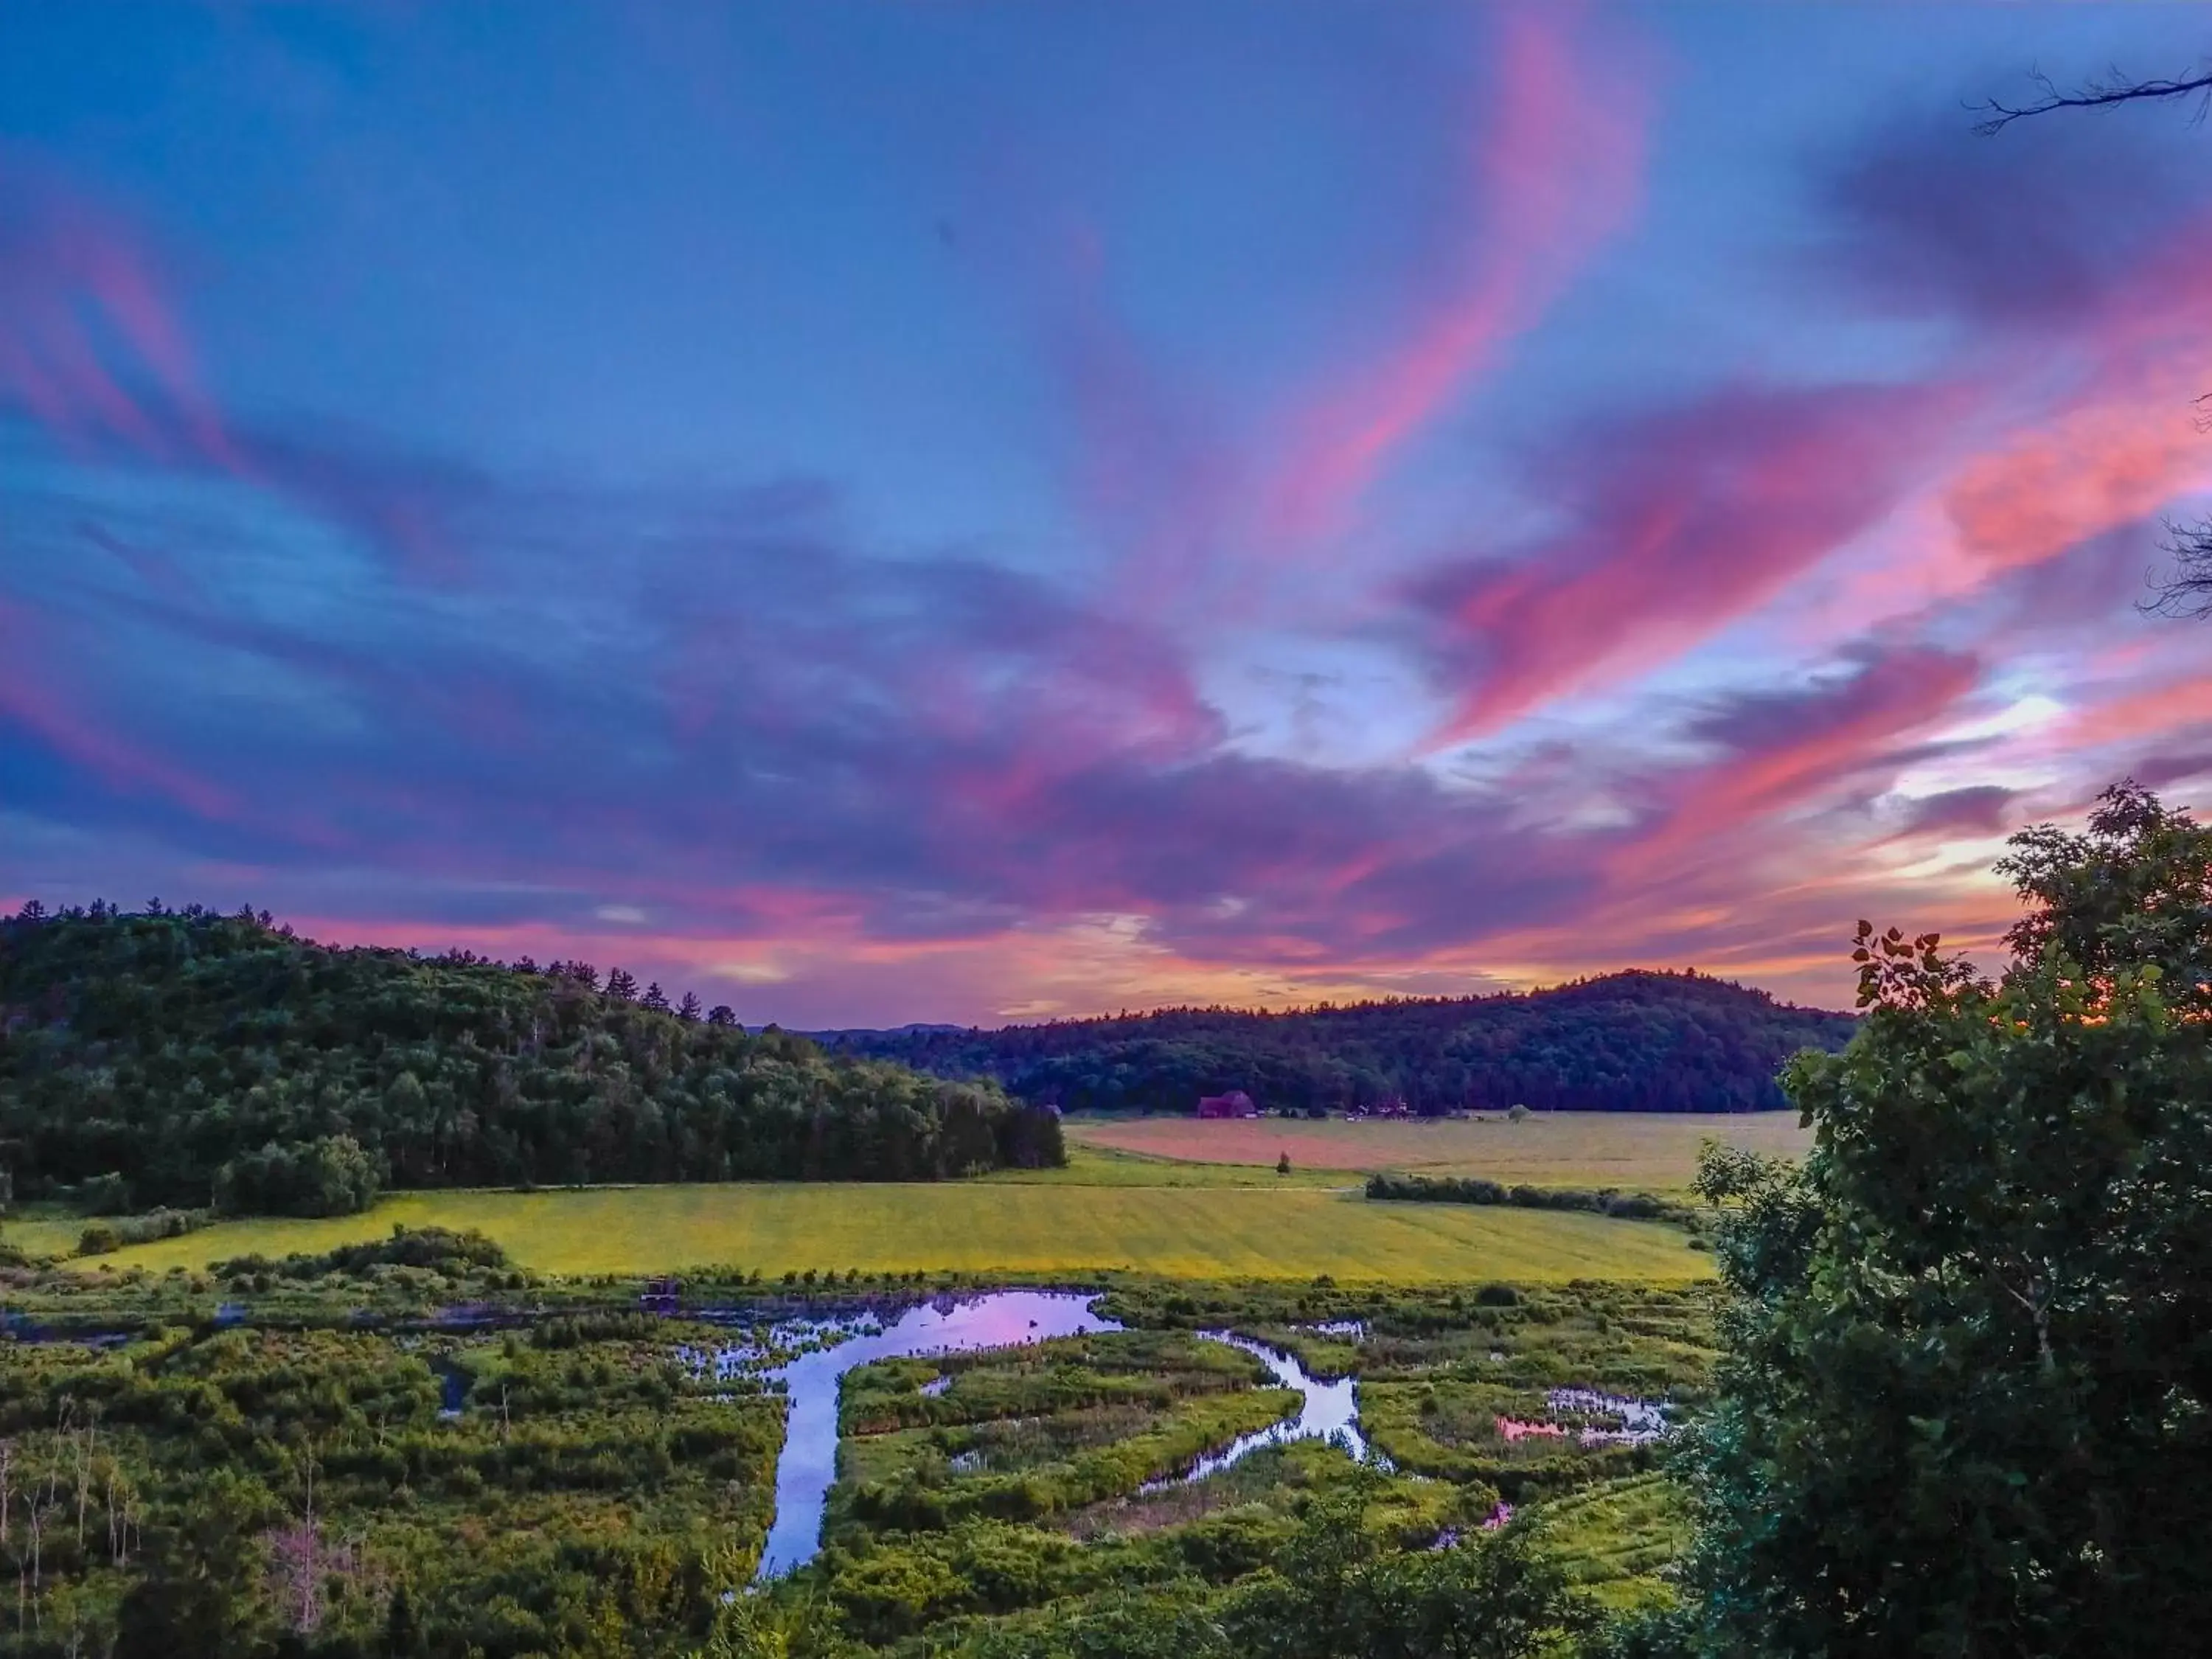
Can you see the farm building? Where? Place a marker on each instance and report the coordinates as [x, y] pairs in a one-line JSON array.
[[1235, 1103]]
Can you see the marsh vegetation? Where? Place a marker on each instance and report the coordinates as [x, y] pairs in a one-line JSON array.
[[545, 1476]]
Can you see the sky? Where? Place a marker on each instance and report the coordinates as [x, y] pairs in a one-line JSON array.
[[943, 512]]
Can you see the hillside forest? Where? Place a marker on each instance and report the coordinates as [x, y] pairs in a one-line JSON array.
[[187, 1059], [1635, 1042]]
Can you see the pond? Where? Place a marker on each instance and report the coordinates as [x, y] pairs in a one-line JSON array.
[[1000, 1319]]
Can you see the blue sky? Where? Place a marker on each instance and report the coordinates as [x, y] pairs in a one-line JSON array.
[[935, 511]]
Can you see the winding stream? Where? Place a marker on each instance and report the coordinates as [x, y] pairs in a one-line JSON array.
[[996, 1319], [1328, 1411], [808, 1465]]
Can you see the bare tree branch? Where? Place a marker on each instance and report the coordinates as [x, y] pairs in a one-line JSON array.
[[2188, 591], [2111, 88]]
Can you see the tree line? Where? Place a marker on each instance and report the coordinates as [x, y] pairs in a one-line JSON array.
[[1635, 1042], [182, 1057]]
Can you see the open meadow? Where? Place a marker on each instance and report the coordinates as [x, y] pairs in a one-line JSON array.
[[1649, 1151], [1029, 1228]]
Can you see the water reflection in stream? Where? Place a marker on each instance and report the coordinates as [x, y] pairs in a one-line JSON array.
[[1327, 1411], [998, 1319], [1001, 1319]]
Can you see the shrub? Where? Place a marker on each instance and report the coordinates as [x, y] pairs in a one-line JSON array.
[[438, 1250], [1634, 1207], [160, 1223]]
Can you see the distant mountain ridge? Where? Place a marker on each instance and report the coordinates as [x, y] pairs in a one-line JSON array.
[[1638, 1040]]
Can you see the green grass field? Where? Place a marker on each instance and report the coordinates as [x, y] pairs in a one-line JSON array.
[[43, 1229], [999, 1225], [1655, 1152], [43, 1234]]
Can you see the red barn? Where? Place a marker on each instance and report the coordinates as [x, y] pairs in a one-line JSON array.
[[1235, 1103]]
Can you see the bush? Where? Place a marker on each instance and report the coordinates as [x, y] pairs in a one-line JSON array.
[[160, 1223], [439, 1250], [1473, 1189], [99, 1238]]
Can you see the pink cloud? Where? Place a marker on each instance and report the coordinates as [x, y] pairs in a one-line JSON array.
[[31, 698], [2025, 448], [2117, 443], [1802, 749], [1558, 166], [2091, 469], [89, 345], [2124, 444], [2171, 707], [93, 349], [1688, 520]]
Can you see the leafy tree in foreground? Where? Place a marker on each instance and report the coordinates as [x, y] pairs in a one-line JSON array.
[[1966, 1411]]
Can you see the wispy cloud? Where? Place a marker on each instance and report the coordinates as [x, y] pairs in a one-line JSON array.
[[1558, 147]]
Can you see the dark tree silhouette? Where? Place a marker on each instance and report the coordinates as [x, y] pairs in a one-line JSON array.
[[2188, 591]]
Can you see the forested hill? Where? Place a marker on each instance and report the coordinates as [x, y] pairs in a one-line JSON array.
[[1627, 1043], [185, 1056]]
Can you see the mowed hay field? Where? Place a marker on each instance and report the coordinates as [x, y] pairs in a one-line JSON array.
[[1652, 1151], [990, 1226]]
